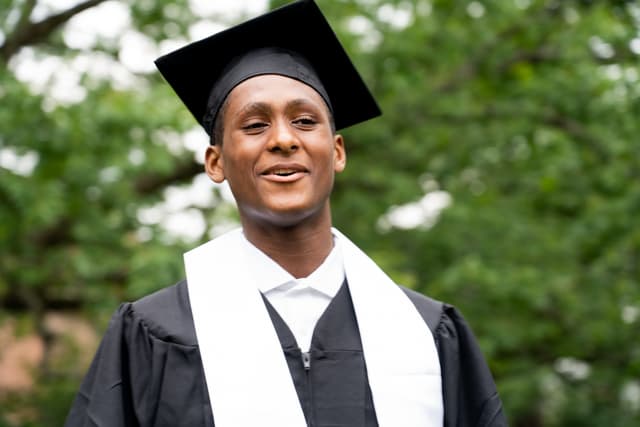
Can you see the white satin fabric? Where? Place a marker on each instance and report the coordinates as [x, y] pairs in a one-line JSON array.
[[247, 375]]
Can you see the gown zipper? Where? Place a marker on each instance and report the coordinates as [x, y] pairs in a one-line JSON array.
[[306, 363]]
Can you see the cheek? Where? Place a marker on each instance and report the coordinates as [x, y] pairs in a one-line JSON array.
[[239, 174], [329, 171]]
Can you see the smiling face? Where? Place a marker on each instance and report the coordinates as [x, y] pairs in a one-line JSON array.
[[279, 153]]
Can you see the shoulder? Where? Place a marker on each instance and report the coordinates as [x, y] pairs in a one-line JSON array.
[[169, 298], [422, 301], [443, 319], [164, 314], [431, 310]]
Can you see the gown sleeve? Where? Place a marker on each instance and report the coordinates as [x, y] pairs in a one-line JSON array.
[[469, 392], [147, 371], [104, 398], [470, 395]]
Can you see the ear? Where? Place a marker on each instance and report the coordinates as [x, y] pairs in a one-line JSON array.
[[213, 163], [340, 154]]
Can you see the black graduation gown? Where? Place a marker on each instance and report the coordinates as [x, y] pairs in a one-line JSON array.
[[331, 378], [148, 370]]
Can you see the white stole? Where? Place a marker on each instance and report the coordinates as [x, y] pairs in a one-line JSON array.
[[246, 372]]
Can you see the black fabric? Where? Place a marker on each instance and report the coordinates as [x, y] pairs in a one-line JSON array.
[[148, 370], [334, 391], [269, 60], [470, 395]]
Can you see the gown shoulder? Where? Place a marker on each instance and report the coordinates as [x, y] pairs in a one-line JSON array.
[[166, 314], [147, 370], [469, 392], [431, 310]]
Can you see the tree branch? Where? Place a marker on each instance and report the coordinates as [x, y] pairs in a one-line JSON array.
[[25, 13], [151, 183], [577, 131], [29, 33], [55, 235], [563, 123], [470, 69]]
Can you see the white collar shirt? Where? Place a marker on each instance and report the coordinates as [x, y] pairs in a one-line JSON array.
[[300, 302]]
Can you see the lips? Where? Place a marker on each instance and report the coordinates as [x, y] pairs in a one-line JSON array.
[[285, 172]]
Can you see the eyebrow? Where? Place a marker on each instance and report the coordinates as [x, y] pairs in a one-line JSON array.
[[305, 103], [265, 107], [255, 107], [299, 102]]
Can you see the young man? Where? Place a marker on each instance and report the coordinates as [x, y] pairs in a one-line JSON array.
[[283, 322]]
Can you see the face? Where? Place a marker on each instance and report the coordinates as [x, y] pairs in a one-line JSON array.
[[279, 153]]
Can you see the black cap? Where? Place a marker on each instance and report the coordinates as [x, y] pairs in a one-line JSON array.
[[300, 28], [266, 60]]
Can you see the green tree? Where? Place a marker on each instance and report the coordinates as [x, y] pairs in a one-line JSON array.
[[522, 113], [526, 114]]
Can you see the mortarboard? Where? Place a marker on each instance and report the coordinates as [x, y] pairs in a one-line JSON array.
[[296, 37]]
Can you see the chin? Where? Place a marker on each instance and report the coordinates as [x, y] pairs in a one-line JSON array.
[[289, 218], [285, 217]]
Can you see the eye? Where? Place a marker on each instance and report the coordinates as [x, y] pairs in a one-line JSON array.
[[305, 121], [253, 127]]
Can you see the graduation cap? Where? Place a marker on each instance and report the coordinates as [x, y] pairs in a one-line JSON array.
[[294, 40]]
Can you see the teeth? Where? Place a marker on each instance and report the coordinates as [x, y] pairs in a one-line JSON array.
[[284, 171]]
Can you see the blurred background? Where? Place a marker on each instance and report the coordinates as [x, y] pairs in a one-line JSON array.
[[503, 178]]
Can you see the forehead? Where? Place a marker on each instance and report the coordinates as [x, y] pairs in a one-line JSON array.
[[273, 90]]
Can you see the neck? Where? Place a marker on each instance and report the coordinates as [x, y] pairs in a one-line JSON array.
[[299, 249]]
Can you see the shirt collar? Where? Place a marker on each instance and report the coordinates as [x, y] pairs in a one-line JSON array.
[[269, 275]]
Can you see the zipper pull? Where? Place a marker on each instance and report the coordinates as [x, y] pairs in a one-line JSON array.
[[306, 361]]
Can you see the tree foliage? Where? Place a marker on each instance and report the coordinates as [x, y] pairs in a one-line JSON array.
[[524, 112]]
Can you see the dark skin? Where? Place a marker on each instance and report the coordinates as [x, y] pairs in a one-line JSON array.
[[279, 155]]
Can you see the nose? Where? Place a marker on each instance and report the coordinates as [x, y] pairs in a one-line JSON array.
[[283, 138]]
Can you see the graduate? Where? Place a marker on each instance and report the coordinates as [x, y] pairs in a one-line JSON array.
[[283, 322]]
